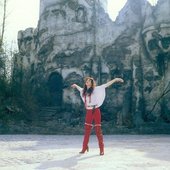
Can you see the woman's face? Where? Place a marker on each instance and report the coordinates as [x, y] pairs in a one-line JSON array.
[[88, 83]]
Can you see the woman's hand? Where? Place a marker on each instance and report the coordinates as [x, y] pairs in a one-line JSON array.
[[115, 80], [74, 86], [118, 80]]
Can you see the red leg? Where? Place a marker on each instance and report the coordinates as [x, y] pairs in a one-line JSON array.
[[86, 138], [100, 139]]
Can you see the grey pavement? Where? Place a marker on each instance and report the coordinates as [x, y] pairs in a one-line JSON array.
[[59, 152]]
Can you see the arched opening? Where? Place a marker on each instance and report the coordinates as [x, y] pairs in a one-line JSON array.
[[55, 86], [81, 15], [160, 59]]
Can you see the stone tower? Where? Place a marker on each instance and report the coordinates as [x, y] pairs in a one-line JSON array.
[[67, 42], [76, 38], [47, 3]]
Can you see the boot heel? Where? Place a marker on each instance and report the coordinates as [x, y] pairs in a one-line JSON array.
[[87, 149], [101, 153], [83, 151]]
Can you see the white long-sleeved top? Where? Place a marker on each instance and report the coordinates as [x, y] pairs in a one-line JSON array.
[[96, 98]]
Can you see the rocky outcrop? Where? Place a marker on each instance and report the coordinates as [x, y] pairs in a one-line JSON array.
[[76, 38]]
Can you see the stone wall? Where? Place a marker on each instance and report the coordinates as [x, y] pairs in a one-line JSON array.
[[76, 38]]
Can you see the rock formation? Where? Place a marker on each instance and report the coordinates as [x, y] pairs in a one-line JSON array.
[[76, 38]]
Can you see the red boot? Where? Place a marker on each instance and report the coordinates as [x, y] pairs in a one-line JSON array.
[[86, 139], [100, 139]]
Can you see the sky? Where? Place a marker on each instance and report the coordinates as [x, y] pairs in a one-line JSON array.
[[22, 14]]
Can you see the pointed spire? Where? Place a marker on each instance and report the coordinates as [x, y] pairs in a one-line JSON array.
[[131, 12], [149, 20], [162, 12]]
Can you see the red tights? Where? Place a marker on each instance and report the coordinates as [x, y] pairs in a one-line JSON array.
[[96, 117]]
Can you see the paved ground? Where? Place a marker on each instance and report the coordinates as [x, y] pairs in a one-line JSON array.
[[122, 152]]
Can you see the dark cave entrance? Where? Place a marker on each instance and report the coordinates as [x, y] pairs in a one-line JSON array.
[[55, 85], [161, 65]]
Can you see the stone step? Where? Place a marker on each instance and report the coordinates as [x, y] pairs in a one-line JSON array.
[[54, 108], [48, 113]]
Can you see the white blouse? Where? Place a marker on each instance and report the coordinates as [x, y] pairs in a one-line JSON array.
[[96, 98]]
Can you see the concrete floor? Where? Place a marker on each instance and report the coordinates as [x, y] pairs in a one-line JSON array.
[[53, 152]]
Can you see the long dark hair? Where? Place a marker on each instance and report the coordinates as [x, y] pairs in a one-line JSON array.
[[90, 90]]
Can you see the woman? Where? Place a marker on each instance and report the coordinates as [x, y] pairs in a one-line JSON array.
[[93, 97]]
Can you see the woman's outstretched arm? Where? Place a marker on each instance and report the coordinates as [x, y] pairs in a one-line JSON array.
[[76, 86], [115, 80]]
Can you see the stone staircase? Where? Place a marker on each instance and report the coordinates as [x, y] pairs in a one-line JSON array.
[[49, 113]]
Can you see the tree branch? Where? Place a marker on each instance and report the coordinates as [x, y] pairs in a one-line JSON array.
[[165, 92]]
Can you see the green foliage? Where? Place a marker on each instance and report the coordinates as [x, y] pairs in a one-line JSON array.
[[16, 100]]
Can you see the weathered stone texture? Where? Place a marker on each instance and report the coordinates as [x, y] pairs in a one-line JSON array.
[[76, 38]]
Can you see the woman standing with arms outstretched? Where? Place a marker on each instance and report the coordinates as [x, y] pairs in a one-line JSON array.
[[93, 97]]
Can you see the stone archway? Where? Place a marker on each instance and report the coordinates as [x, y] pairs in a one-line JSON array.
[[55, 86], [81, 14]]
